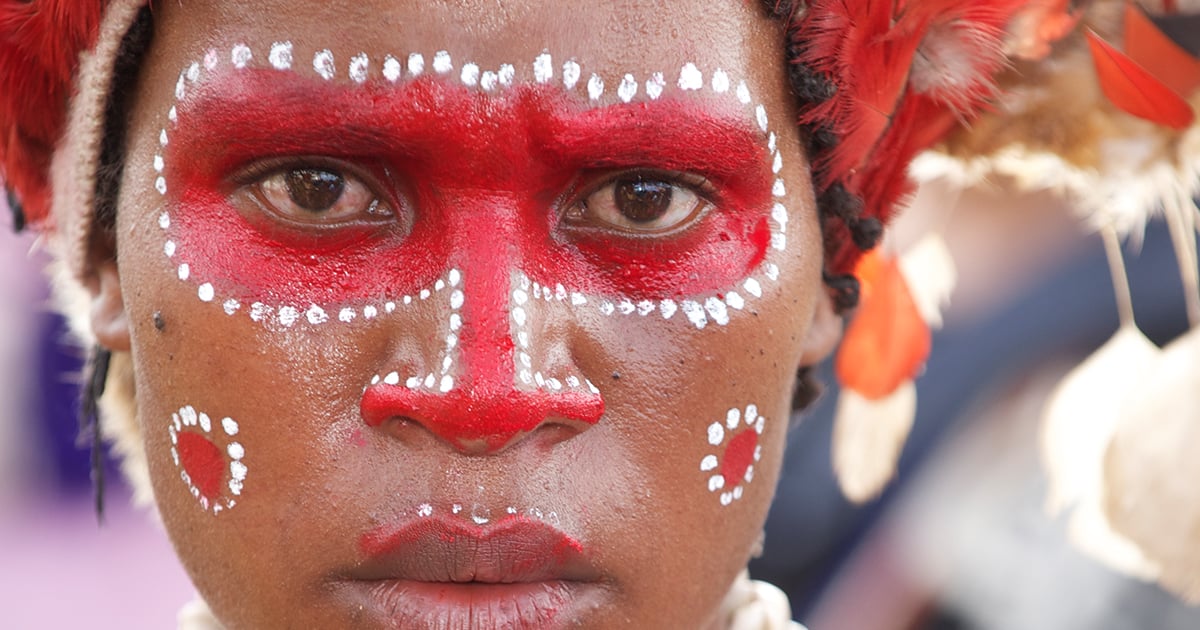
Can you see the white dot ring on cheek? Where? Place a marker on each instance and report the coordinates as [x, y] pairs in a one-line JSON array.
[[210, 460], [736, 443], [699, 311]]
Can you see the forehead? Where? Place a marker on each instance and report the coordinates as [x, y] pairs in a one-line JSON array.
[[630, 35]]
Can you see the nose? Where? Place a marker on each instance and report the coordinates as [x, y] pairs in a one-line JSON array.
[[503, 372]]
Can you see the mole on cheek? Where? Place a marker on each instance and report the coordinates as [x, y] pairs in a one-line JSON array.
[[159, 322]]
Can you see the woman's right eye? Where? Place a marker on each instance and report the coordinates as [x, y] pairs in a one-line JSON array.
[[319, 196]]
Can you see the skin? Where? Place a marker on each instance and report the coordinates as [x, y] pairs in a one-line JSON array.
[[628, 488]]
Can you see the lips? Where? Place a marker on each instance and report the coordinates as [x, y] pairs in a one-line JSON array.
[[442, 572]]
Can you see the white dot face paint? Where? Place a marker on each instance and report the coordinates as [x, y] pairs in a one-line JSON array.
[[690, 77], [281, 55], [212, 464], [700, 312], [391, 69], [595, 87], [240, 56], [360, 64], [735, 449], [442, 63], [571, 73], [543, 68], [323, 64]]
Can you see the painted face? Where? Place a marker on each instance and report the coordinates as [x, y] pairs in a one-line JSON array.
[[449, 314]]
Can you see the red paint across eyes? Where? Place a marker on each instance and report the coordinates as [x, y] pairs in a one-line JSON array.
[[482, 178], [203, 462]]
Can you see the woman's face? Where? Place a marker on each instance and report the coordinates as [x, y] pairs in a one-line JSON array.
[[450, 313]]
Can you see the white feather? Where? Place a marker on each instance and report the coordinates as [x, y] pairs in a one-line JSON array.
[[931, 276], [868, 437], [1152, 470], [1082, 415]]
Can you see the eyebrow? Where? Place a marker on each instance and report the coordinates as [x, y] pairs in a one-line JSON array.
[[256, 113]]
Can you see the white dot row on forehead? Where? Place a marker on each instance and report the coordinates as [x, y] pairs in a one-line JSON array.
[[281, 56]]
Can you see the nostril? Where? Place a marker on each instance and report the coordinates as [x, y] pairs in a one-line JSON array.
[[477, 421]]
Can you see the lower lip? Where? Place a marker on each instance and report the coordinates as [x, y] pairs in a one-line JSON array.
[[524, 605]]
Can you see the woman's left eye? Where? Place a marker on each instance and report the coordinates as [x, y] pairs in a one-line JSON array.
[[319, 196], [639, 204]]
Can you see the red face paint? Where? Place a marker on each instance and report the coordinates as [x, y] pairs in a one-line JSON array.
[[482, 182], [738, 457], [203, 462], [483, 179]]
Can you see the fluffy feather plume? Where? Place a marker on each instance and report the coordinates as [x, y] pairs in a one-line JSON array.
[[40, 42], [904, 73]]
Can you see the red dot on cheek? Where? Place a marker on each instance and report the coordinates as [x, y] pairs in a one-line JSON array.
[[203, 462], [738, 457]]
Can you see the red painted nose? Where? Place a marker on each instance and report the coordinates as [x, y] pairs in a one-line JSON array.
[[477, 421]]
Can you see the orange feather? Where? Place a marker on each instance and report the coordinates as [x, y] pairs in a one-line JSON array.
[[888, 341], [1134, 90]]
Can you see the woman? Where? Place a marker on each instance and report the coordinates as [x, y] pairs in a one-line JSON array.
[[454, 314]]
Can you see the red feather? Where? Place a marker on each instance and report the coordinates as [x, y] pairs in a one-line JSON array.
[[40, 42], [1159, 54], [1134, 90], [904, 71]]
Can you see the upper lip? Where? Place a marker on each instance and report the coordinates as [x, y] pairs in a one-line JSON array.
[[438, 549]]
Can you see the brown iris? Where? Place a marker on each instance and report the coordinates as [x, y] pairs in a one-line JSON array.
[[642, 201], [314, 190]]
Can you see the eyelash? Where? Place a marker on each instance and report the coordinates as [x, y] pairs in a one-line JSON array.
[[706, 192]]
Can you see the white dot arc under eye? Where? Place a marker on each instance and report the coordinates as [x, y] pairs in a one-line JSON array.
[[316, 315]]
